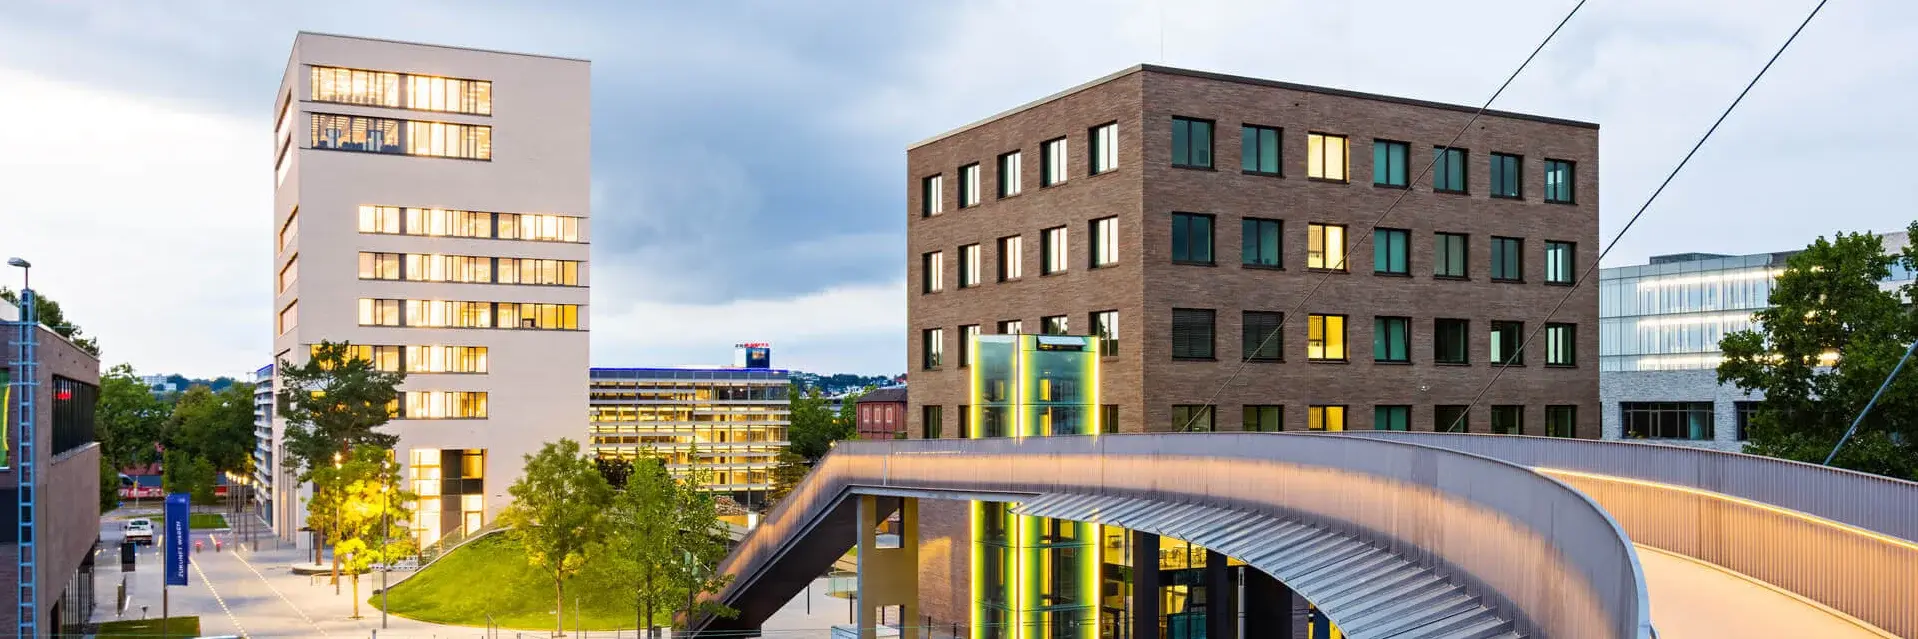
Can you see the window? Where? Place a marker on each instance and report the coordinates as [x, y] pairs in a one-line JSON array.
[[1102, 143], [1558, 262], [1012, 258], [1561, 421], [355, 86], [1054, 325], [1506, 339], [969, 266], [1558, 182], [1325, 337], [933, 422], [1450, 341], [1054, 250], [1105, 324], [1561, 344], [1392, 339], [1391, 252], [526, 270], [527, 226], [1450, 418], [434, 359], [1054, 158], [1505, 176], [443, 405], [1392, 418], [291, 230], [1325, 157], [380, 266], [1448, 170], [1109, 418], [968, 335], [1191, 238], [396, 220], [1325, 418], [1260, 336], [1011, 327], [290, 316], [74, 405], [1264, 418], [1508, 259], [1259, 243], [1325, 247], [969, 185], [1259, 150], [447, 268], [931, 268], [1192, 143], [965, 422], [401, 137], [1105, 241], [933, 348], [1666, 420], [932, 195], [1192, 333], [1388, 163], [1746, 412], [379, 312], [1448, 255], [384, 89], [1192, 418], [550, 317], [1508, 420], [290, 273], [1009, 174]]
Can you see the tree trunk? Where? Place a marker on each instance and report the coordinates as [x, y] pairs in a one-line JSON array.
[[336, 571], [648, 625], [559, 607], [356, 595]]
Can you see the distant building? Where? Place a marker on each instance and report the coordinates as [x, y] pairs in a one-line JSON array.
[[1659, 328], [881, 414], [726, 423], [159, 384], [263, 444]]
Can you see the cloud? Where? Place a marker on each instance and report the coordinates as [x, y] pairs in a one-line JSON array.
[[830, 330]]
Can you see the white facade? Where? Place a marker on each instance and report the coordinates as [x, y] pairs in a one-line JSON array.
[[263, 438], [429, 197]]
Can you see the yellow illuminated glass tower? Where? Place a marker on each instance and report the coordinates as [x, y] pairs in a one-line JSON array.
[[1033, 577]]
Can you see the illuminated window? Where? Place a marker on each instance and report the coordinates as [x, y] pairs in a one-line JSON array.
[[1450, 341], [1054, 325], [932, 347], [1191, 238], [932, 266], [401, 137], [396, 90], [1325, 337], [538, 227], [1391, 339], [1053, 162], [1105, 324], [1560, 344], [379, 312], [1009, 174], [1391, 252], [1558, 262], [1448, 170], [1259, 150], [290, 230], [380, 266], [1506, 172], [290, 316], [1192, 418], [1053, 250], [1326, 418], [1558, 182], [1192, 333], [969, 266], [1104, 235], [1326, 157], [290, 273], [1325, 247], [1448, 255], [1508, 259], [1508, 420], [1192, 143], [526, 270], [443, 405], [1259, 243], [1388, 163], [969, 185], [1260, 336], [537, 316], [1562, 421], [355, 86], [1102, 143], [968, 334], [449, 94], [1392, 418], [932, 195], [1506, 339], [1012, 258], [445, 359], [381, 219], [1264, 418]]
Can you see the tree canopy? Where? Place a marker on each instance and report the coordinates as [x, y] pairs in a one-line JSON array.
[[558, 513], [334, 402], [48, 313], [815, 425], [1825, 345], [217, 427]]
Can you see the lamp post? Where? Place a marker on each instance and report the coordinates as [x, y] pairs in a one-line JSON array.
[[386, 544], [26, 272], [338, 521]]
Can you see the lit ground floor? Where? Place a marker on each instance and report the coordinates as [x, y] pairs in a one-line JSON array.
[[1680, 407]]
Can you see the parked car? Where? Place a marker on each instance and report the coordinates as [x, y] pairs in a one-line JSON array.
[[139, 531]]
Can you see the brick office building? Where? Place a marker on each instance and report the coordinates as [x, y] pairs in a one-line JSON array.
[[881, 414]]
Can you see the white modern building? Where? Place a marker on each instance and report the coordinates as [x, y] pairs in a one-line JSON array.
[[1660, 324], [431, 207], [262, 494]]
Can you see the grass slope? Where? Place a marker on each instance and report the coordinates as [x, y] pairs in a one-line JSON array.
[[203, 521], [491, 575], [150, 628]]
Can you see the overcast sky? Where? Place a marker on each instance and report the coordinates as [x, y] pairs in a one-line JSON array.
[[748, 156]]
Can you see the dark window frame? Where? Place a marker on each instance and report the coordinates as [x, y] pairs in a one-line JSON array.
[[932, 421], [1570, 186], [1512, 413], [1195, 418], [1211, 238], [1571, 263], [1443, 167], [1253, 418], [1452, 418], [1210, 351], [1440, 326], [1094, 151], [1509, 329], [1405, 246], [1515, 172], [1046, 177], [1000, 180], [1666, 420], [1257, 132], [930, 203], [1404, 416], [1046, 251], [1441, 256], [1380, 334], [1265, 349], [1108, 343], [1516, 252], [932, 348], [1405, 163], [1211, 142], [1569, 347], [1743, 414], [1325, 339], [967, 184], [1553, 414], [1256, 243], [1345, 418]]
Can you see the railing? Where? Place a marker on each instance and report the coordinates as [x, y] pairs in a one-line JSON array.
[[1529, 544], [1841, 538]]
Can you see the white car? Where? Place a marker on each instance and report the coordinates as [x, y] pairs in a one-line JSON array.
[[139, 531]]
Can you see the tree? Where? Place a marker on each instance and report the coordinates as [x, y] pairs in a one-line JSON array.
[[701, 542], [790, 469], [128, 421], [370, 505], [558, 514], [48, 312], [815, 426], [217, 427], [1821, 350], [616, 471], [639, 550], [184, 472], [334, 402]]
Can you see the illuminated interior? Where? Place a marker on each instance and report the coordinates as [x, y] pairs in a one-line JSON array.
[[431, 222], [725, 425], [451, 314], [400, 90], [451, 485]]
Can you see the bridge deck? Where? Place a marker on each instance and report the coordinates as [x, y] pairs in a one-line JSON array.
[[1696, 600]]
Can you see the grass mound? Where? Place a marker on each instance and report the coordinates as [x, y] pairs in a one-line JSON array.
[[491, 575], [150, 628]]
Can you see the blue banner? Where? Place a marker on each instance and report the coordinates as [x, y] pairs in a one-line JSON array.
[[178, 533]]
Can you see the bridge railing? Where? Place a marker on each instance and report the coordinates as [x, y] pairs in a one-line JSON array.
[[1845, 539], [1527, 543]]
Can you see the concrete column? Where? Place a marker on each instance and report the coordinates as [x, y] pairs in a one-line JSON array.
[[1269, 608], [1145, 585], [1221, 592], [888, 576]]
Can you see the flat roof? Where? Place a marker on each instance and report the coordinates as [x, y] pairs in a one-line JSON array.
[[687, 373], [1223, 77], [437, 46]]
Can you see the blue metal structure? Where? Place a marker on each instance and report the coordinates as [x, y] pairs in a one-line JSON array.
[[26, 382]]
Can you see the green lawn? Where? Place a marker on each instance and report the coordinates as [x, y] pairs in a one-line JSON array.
[[202, 521], [186, 627], [491, 575]]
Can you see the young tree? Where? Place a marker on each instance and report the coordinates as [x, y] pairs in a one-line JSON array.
[[335, 401], [700, 542], [185, 472], [217, 427], [1822, 349], [815, 426], [48, 313], [789, 471], [558, 514], [372, 512], [638, 551]]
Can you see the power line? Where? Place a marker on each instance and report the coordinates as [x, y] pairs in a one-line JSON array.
[[1209, 406], [1642, 208]]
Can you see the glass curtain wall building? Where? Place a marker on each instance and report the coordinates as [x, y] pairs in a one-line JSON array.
[[725, 426]]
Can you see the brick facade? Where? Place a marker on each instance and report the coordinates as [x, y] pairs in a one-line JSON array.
[[69, 510]]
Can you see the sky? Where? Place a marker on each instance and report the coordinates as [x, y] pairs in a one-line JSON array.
[[136, 168]]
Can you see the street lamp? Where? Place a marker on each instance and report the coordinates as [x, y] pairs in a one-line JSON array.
[[339, 517], [26, 271], [386, 546]]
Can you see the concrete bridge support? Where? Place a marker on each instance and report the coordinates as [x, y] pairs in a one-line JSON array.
[[888, 572]]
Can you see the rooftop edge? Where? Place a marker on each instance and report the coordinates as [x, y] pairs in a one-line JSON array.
[[296, 37]]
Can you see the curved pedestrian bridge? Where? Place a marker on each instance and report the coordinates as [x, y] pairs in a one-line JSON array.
[[1400, 534]]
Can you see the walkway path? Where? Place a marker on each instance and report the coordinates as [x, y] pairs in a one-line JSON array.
[[1694, 600]]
